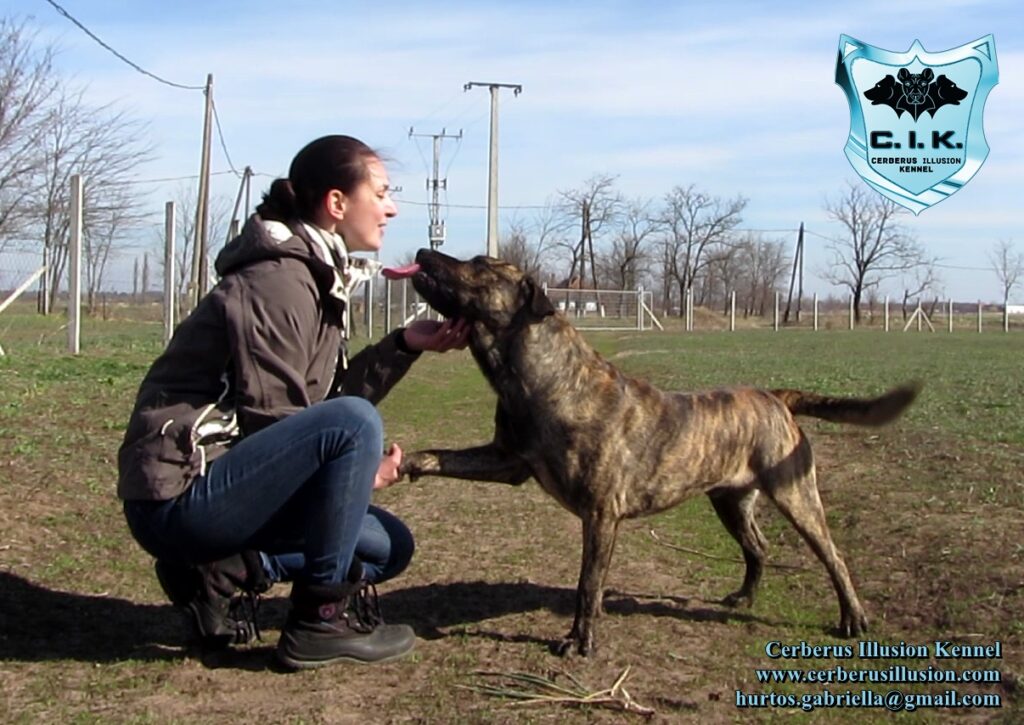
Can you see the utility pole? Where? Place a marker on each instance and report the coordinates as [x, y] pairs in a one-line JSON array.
[[238, 219], [198, 282], [492, 186], [800, 274], [798, 268], [435, 230]]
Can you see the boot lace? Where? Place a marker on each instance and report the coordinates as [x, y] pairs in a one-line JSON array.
[[243, 616], [365, 607]]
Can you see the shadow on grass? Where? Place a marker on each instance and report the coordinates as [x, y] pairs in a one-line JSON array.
[[42, 624], [432, 608], [38, 623]]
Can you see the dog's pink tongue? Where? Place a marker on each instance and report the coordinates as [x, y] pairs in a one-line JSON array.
[[403, 272]]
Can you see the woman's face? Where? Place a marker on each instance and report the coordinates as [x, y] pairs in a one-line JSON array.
[[366, 211]]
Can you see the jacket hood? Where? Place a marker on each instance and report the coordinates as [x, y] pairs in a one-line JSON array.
[[256, 243], [336, 273]]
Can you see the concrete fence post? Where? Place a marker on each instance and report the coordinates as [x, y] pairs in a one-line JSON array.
[[170, 284], [75, 268]]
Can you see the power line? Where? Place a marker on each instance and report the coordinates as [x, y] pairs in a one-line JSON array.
[[183, 178], [934, 264], [475, 206], [223, 145], [117, 55], [963, 269]]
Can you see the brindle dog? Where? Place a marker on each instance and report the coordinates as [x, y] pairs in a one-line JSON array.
[[609, 447]]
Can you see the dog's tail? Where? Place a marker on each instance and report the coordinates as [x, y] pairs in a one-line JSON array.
[[858, 411]]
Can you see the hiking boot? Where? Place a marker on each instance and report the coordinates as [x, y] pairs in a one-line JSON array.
[[207, 594], [339, 623]]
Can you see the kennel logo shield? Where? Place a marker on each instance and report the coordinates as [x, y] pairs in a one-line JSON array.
[[916, 133]]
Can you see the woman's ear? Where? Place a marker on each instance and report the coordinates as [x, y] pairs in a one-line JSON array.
[[335, 203]]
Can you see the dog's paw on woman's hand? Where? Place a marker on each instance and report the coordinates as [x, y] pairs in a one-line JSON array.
[[412, 466], [418, 464]]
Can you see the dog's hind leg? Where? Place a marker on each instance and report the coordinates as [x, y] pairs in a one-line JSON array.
[[599, 532], [735, 508], [794, 489]]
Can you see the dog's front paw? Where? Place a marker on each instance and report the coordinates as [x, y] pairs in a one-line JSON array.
[[574, 643], [414, 465], [853, 623], [739, 598]]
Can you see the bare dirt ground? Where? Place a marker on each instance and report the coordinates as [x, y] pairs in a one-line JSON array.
[[492, 588]]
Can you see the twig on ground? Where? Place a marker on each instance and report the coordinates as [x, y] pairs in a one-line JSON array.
[[529, 689], [731, 559]]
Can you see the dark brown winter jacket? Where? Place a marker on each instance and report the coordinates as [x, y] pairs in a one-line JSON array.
[[267, 341]]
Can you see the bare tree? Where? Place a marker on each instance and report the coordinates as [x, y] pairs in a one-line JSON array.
[[185, 197], [117, 214], [526, 243], [722, 275], [764, 265], [105, 146], [695, 224], [592, 208], [514, 245], [924, 278], [1009, 268], [27, 82], [875, 245], [626, 260]]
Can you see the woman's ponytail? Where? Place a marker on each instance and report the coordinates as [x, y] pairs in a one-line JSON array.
[[279, 204]]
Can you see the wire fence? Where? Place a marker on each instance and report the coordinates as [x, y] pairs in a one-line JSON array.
[[135, 288], [383, 305]]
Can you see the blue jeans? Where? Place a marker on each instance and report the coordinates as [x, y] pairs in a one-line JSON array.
[[298, 491]]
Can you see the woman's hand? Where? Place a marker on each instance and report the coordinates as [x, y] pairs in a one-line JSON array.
[[387, 473], [437, 336]]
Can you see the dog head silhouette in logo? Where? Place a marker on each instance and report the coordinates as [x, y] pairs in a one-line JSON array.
[[915, 93], [946, 92]]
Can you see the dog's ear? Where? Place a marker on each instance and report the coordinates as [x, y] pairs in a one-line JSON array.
[[535, 300]]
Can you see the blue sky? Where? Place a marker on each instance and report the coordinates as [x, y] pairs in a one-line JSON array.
[[735, 97]]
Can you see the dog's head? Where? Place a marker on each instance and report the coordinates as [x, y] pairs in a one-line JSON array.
[[481, 289]]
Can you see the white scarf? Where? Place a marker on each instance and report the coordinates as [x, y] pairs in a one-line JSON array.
[[349, 271]]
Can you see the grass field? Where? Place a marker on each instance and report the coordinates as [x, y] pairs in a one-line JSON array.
[[929, 514]]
